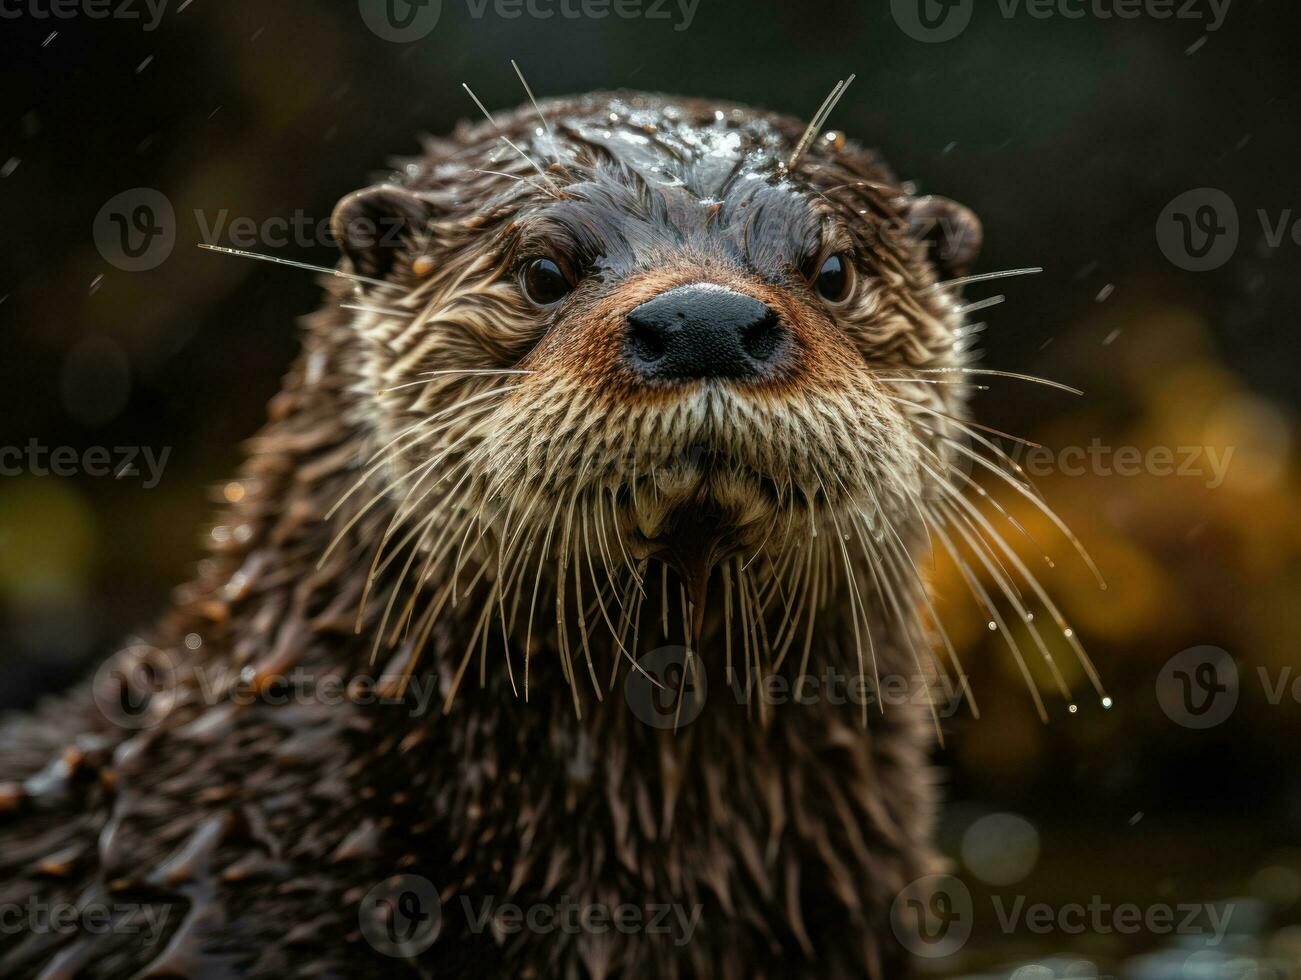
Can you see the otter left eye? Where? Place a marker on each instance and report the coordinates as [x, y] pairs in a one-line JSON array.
[[544, 283], [833, 279]]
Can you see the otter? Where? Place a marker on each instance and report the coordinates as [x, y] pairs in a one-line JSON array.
[[619, 408]]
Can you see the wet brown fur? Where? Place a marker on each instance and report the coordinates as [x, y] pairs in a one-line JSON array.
[[259, 827]]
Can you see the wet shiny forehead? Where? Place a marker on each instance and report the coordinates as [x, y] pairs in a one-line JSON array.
[[656, 177], [664, 147]]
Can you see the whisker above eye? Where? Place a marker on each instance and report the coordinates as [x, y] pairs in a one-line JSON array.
[[546, 126], [818, 121], [984, 277], [505, 139], [515, 177], [499, 173]]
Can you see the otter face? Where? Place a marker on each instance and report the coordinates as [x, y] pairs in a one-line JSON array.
[[624, 330]]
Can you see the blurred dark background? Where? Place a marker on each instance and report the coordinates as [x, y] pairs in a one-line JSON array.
[[1069, 136]]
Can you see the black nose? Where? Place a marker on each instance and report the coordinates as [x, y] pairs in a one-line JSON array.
[[703, 331]]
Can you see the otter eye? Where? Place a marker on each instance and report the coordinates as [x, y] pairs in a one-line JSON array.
[[544, 283], [833, 278]]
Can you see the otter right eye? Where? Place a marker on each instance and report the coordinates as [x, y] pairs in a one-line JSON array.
[[833, 279], [544, 283]]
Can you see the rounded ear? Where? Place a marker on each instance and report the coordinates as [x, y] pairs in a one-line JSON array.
[[374, 225], [950, 231]]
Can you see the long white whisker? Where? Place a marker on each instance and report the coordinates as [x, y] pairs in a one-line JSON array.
[[983, 277], [817, 122], [982, 304], [1043, 508], [277, 260], [527, 159], [1033, 379], [466, 373], [380, 310], [978, 590], [546, 126]]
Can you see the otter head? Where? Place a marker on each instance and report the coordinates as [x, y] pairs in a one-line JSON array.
[[626, 330]]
